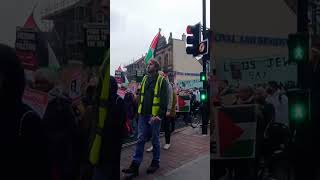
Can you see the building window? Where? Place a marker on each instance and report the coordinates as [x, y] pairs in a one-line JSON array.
[[170, 61], [159, 60], [166, 60]]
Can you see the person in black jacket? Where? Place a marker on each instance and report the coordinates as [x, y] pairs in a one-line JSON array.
[[61, 127], [23, 142], [113, 134]]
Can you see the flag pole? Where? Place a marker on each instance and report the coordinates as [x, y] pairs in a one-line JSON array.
[[34, 7]]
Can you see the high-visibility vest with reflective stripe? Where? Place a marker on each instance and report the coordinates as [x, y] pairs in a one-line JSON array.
[[156, 95], [104, 73]]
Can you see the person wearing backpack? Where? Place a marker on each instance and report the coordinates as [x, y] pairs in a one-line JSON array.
[[112, 137], [24, 145]]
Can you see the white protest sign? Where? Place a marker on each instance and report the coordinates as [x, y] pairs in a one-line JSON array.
[[259, 70]]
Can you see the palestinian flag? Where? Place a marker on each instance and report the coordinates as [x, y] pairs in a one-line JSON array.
[[53, 61], [29, 58], [31, 22], [152, 48], [183, 103], [236, 132]]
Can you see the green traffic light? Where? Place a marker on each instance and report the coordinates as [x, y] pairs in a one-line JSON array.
[[203, 97], [298, 112], [203, 78], [298, 53], [298, 45]]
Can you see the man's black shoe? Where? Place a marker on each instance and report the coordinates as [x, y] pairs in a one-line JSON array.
[[153, 167], [133, 170]]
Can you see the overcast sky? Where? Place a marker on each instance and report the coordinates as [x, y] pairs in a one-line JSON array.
[[135, 23]]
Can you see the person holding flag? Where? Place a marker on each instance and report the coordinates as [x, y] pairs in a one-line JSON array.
[[153, 45]]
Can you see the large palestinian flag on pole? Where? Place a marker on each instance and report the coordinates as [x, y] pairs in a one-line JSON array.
[[152, 48], [235, 132]]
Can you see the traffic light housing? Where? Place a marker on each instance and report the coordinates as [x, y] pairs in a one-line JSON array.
[[203, 95], [298, 45], [193, 39], [203, 76], [298, 106]]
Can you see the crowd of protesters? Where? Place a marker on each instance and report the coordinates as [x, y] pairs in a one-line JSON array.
[[56, 145], [272, 103]]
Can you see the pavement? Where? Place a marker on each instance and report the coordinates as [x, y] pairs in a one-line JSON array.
[[197, 169], [189, 154]]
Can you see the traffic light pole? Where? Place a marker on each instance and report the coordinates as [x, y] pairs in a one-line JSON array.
[[303, 134], [302, 27], [205, 83]]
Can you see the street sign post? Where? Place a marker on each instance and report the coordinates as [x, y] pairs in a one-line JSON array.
[[203, 47]]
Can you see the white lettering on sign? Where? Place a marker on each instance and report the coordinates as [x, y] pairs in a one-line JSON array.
[[26, 36], [26, 46], [93, 37], [93, 31], [96, 37]]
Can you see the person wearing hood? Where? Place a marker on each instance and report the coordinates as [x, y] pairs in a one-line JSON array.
[[113, 134], [61, 127], [23, 139]]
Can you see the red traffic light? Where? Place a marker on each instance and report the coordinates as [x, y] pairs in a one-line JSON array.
[[193, 39], [189, 29]]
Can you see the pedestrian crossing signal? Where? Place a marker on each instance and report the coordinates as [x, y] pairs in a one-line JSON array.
[[298, 106], [298, 45], [203, 76], [203, 95]]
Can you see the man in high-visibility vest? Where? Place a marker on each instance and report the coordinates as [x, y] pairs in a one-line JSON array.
[[152, 109]]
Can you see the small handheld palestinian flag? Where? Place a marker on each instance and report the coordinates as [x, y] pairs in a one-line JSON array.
[[153, 46]]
